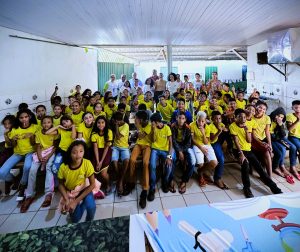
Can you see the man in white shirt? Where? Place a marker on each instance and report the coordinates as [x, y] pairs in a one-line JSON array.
[[112, 85], [132, 80]]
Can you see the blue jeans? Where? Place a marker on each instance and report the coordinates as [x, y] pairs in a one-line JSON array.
[[87, 203], [118, 152], [189, 169], [155, 154], [295, 141], [280, 151], [11, 162], [220, 157]]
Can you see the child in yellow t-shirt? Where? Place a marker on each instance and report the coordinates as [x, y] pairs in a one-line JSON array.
[[76, 113], [293, 125], [261, 143], [57, 110], [127, 108], [165, 109], [147, 101], [240, 101], [168, 99], [67, 132], [72, 175], [161, 147], [110, 108], [201, 147], [84, 131], [22, 140], [120, 149], [92, 102], [98, 110], [68, 109], [241, 132], [102, 138], [40, 111], [43, 158]]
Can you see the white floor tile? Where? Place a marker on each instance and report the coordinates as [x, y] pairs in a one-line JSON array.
[[125, 208], [108, 199], [151, 206], [173, 202], [8, 204], [217, 196], [17, 222], [260, 191], [210, 187], [3, 217], [193, 187], [231, 182], [235, 193], [104, 211], [283, 188], [295, 187], [129, 197], [44, 219], [195, 199]]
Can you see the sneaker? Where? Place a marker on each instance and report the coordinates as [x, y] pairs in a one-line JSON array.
[[248, 193], [151, 195], [276, 190], [21, 194], [143, 199]]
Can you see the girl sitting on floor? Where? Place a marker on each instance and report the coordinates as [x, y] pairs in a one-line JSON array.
[[72, 175]]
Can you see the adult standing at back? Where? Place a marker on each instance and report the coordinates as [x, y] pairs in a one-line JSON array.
[[154, 76], [112, 86], [121, 82], [172, 84], [159, 87], [214, 84], [133, 80], [198, 82]]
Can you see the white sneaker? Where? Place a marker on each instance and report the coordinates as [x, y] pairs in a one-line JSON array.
[[15, 172]]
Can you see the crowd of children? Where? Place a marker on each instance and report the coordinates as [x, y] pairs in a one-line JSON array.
[[176, 124]]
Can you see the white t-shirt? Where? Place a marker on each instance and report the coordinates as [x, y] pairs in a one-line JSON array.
[[113, 87], [197, 85], [173, 86]]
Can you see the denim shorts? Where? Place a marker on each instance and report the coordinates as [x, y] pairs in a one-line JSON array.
[[118, 152]]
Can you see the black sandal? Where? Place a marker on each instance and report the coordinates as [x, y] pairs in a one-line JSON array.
[[172, 187], [182, 188]]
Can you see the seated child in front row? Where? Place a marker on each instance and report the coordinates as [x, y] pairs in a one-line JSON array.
[[76, 192], [161, 148], [201, 147], [241, 132], [23, 141], [293, 125], [280, 143], [43, 158], [182, 143], [8, 122], [120, 149], [102, 138]]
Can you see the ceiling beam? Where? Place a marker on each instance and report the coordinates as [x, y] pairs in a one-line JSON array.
[[239, 55]]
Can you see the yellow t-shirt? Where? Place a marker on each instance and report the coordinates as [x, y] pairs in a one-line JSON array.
[[198, 136], [65, 139], [146, 140], [140, 97], [109, 111], [127, 108], [73, 178], [102, 113], [96, 138], [123, 141], [149, 104], [241, 135], [166, 112], [77, 119], [56, 121], [68, 110], [39, 123], [209, 110], [252, 123], [24, 145], [128, 99], [240, 104], [90, 108], [291, 118], [224, 92], [213, 130], [86, 133], [179, 135], [161, 138], [272, 127], [171, 102], [261, 125], [46, 141]]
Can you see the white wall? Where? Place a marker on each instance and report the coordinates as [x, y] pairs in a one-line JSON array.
[[268, 81], [30, 68], [227, 69]]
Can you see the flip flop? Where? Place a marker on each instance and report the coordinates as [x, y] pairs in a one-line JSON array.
[[172, 187], [182, 188], [290, 179], [202, 182], [219, 183]]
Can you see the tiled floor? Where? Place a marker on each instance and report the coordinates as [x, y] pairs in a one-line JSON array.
[[11, 220]]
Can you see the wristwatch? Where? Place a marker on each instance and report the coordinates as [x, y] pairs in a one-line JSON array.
[[169, 157]]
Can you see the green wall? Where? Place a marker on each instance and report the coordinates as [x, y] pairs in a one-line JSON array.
[[105, 69]]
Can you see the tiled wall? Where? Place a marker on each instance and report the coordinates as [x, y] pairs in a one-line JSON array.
[[269, 82]]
